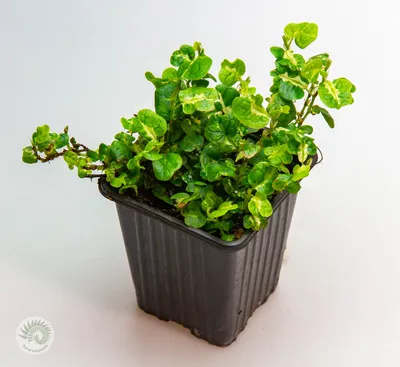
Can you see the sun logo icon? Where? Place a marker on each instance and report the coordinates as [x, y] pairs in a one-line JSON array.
[[35, 335]]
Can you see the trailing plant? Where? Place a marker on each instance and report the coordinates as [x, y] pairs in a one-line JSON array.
[[216, 151]]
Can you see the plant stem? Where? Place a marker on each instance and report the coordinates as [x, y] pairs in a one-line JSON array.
[[94, 167], [78, 145], [305, 104], [75, 148], [48, 158], [310, 106], [59, 154], [308, 103], [287, 43]]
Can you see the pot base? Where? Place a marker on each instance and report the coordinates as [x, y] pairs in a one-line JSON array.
[[199, 334]]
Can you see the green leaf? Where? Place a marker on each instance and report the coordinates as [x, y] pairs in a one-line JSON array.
[[157, 82], [281, 181], [303, 152], [151, 145], [209, 154], [249, 112], [61, 141], [42, 135], [293, 145], [210, 201], [231, 72], [210, 76], [222, 210], [82, 173], [290, 91], [292, 60], [326, 61], [134, 163], [191, 142], [70, 158], [165, 167], [169, 74], [149, 125], [165, 101], [193, 215], [189, 126], [305, 129], [262, 176], [127, 123], [118, 181], [228, 186], [199, 188], [228, 94], [307, 33], [180, 197], [160, 192], [200, 83], [293, 187], [153, 156], [189, 109], [299, 172], [228, 237], [218, 106], [291, 30], [131, 182], [254, 222], [28, 155], [94, 156], [198, 98], [103, 150], [278, 154], [294, 80], [110, 173], [222, 225], [119, 150], [325, 114], [248, 150], [222, 130], [188, 50], [248, 222], [125, 138], [213, 171], [311, 147], [337, 93], [278, 52], [175, 133], [182, 56], [198, 68], [278, 109], [312, 69], [259, 205], [303, 33]]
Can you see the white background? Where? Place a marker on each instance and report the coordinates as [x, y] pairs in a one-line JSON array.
[[81, 63]]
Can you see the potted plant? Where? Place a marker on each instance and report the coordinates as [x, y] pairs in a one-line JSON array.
[[205, 185]]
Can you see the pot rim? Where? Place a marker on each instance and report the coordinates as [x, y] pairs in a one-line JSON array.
[[112, 194]]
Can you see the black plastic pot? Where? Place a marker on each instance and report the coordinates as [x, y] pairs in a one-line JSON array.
[[188, 276]]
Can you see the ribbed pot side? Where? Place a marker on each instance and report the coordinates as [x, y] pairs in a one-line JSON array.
[[211, 290]]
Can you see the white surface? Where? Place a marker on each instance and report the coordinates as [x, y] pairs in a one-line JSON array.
[[81, 63]]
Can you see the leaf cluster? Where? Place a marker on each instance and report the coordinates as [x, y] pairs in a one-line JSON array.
[[215, 149]]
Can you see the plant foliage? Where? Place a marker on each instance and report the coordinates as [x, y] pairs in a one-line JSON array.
[[217, 151]]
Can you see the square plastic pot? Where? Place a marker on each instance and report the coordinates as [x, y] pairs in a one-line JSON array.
[[189, 276]]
